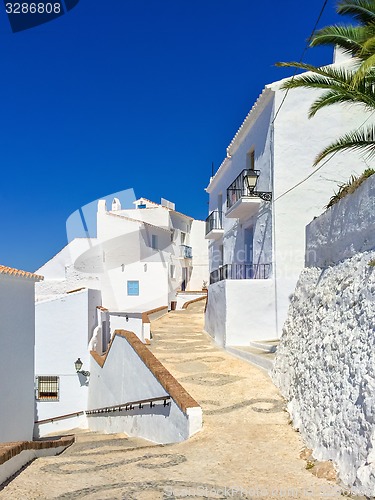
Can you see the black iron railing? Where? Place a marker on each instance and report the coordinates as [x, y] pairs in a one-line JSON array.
[[186, 252], [214, 221], [130, 406], [241, 189], [240, 272]]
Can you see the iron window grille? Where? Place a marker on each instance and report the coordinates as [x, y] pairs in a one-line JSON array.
[[47, 388]]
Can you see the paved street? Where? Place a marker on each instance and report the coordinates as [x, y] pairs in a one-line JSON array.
[[246, 449]]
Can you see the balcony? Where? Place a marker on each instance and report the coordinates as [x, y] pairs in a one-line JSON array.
[[214, 225], [186, 252], [242, 198], [241, 272]]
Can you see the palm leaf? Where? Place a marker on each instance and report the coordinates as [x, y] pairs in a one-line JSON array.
[[359, 140], [362, 10], [350, 38], [339, 74], [367, 66], [339, 84], [335, 97]]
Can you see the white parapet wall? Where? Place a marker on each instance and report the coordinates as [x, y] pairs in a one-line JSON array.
[[345, 229], [325, 364], [14, 456], [128, 373], [240, 311]]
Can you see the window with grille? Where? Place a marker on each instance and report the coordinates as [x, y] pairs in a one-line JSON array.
[[47, 388]]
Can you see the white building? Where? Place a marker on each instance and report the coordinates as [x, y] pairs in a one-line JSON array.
[[257, 235], [64, 326], [17, 333], [139, 260], [148, 254]]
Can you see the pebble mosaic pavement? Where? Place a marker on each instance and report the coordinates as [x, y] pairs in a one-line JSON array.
[[246, 449]]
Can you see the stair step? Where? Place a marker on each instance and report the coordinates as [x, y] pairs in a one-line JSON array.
[[265, 345], [262, 359]]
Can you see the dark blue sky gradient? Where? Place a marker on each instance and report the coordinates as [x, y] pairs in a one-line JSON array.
[[140, 94]]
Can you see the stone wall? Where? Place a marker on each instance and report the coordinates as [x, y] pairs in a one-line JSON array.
[[325, 364]]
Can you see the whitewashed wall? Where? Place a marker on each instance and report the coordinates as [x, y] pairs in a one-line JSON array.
[[133, 324], [64, 327], [297, 141], [199, 245], [325, 364], [345, 229], [60, 274], [240, 311], [17, 358], [125, 378], [325, 367]]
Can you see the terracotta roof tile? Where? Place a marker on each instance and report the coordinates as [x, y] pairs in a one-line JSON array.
[[10, 271]]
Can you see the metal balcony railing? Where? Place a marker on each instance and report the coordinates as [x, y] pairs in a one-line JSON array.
[[240, 271], [240, 189], [186, 252], [214, 221]]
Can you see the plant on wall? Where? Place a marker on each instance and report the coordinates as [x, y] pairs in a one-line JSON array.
[[349, 187]]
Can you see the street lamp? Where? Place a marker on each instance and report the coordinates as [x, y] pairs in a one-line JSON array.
[[78, 366], [251, 178]]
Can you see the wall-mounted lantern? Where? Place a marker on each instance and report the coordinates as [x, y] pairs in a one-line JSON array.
[[251, 179], [78, 366]]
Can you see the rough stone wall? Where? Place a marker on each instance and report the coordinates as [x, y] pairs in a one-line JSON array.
[[325, 366]]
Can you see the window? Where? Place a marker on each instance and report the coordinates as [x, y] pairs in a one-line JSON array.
[[47, 388], [133, 287], [172, 271], [183, 238], [142, 205], [250, 160], [154, 242]]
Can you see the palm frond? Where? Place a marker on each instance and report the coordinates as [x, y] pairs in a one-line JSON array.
[[338, 74], [367, 67], [362, 10], [368, 47], [335, 97], [349, 38], [362, 140]]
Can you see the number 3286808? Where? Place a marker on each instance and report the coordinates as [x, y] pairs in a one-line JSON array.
[[32, 8]]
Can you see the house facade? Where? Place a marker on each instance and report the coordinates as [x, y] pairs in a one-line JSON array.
[[148, 254], [260, 200], [17, 331]]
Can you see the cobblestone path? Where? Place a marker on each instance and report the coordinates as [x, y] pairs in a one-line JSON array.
[[245, 450]]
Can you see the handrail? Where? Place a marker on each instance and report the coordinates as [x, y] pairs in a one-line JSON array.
[[60, 417], [107, 409], [129, 406]]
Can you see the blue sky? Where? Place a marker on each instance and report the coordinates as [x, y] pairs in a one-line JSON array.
[[140, 95]]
